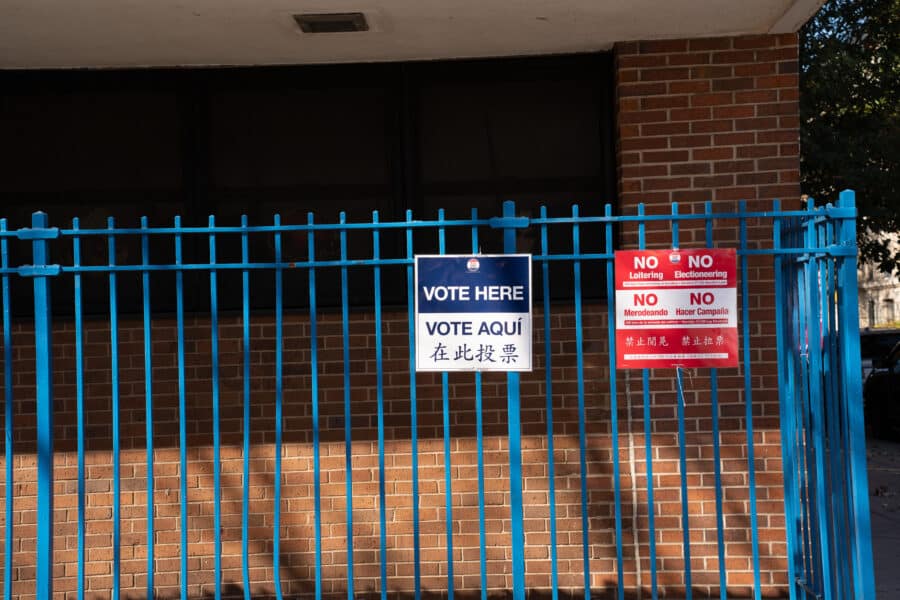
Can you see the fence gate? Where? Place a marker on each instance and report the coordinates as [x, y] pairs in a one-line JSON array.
[[232, 410]]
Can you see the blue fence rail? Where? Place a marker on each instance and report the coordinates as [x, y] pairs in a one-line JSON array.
[[811, 252]]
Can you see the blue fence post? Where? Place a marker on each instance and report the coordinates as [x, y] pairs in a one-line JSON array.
[[44, 396], [513, 402], [7, 417], [848, 317], [787, 401]]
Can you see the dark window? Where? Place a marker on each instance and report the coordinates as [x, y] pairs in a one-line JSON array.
[[356, 138], [535, 131]]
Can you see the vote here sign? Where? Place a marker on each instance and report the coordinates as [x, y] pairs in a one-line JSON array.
[[676, 308], [473, 313]]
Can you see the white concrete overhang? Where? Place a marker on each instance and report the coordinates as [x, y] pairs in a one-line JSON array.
[[139, 33]]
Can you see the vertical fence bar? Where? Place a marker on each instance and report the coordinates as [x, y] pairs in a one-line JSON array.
[[245, 323], [798, 391], [845, 476], [479, 427], [148, 399], [832, 417], [818, 416], [805, 446], [43, 347], [682, 467], [613, 399], [379, 388], [813, 420], [748, 398], [840, 482], [182, 409], [792, 318], [217, 434], [8, 437], [513, 403], [348, 452], [841, 494], [314, 393], [448, 479], [840, 459], [482, 526], [786, 401], [717, 458], [820, 407], [682, 449], [810, 402], [582, 425], [413, 418], [795, 383], [279, 408], [548, 384], [79, 402], [114, 368], [648, 440], [848, 315]]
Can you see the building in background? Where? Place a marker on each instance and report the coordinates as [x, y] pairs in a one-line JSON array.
[[879, 295]]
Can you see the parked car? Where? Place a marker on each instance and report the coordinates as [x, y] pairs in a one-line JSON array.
[[881, 394], [875, 343]]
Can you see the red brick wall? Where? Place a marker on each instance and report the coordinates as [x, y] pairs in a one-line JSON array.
[[717, 120], [712, 119], [297, 517]]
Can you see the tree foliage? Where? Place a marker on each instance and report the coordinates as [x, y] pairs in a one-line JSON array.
[[850, 115]]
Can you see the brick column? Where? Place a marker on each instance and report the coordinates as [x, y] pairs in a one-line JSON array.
[[708, 119], [716, 120]]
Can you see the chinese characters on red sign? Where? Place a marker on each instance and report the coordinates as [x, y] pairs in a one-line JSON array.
[[676, 308]]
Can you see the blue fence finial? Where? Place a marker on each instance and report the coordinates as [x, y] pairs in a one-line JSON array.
[[39, 219], [847, 199]]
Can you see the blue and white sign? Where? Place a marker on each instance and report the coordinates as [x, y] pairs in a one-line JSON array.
[[473, 312]]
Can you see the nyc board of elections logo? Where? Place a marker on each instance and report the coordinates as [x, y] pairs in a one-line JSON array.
[[473, 313]]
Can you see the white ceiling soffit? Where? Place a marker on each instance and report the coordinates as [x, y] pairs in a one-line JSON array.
[[135, 33]]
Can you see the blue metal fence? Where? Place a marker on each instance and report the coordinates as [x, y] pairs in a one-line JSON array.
[[812, 253], [826, 495]]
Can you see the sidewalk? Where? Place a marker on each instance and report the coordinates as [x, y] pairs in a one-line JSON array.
[[884, 488]]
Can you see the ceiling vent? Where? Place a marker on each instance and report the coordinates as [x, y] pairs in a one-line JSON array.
[[332, 22]]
